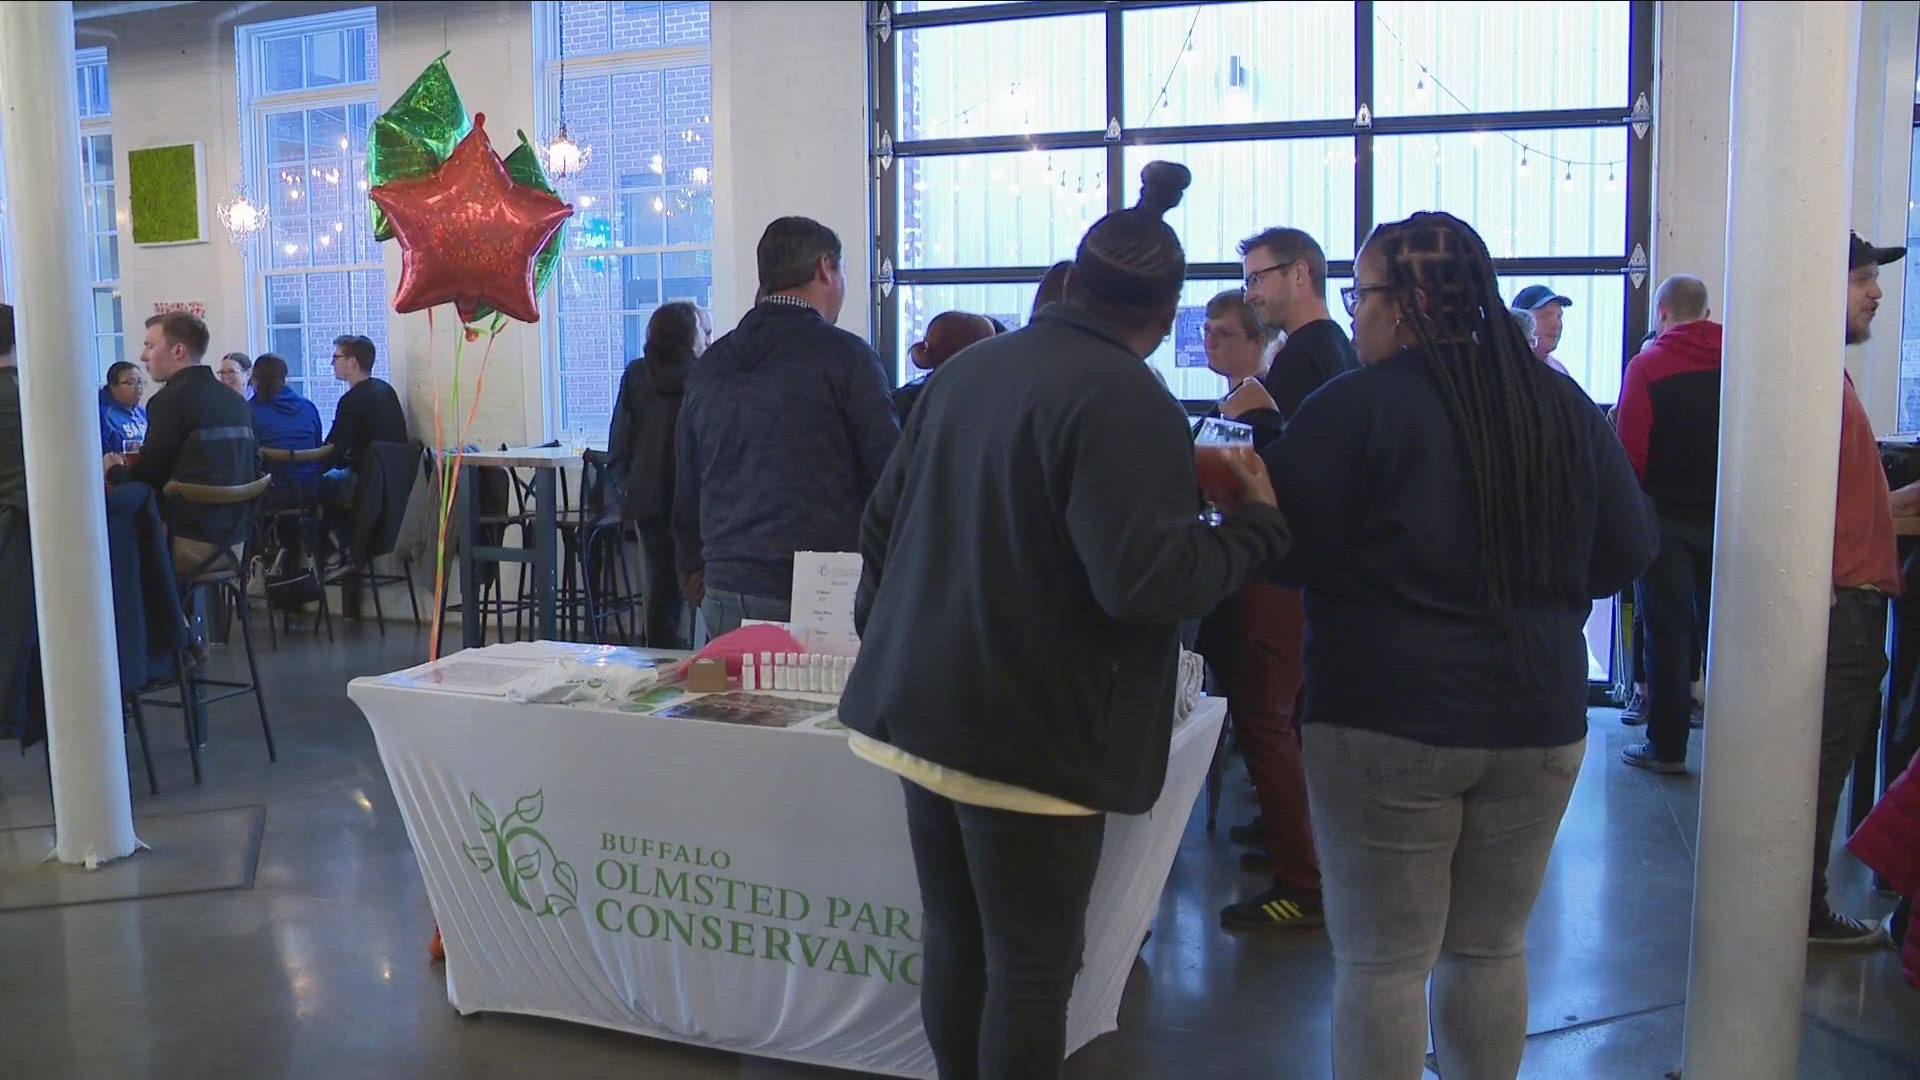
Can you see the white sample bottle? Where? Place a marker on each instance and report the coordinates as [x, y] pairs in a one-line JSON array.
[[748, 679]]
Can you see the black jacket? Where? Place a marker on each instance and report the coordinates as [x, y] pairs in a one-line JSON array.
[[641, 443], [1400, 639], [1030, 553], [198, 432], [785, 427]]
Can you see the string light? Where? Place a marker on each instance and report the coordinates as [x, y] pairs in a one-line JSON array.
[[1612, 183], [1523, 159], [1567, 180]]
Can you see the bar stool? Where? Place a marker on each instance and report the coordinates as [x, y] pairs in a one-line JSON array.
[[225, 571], [285, 468]]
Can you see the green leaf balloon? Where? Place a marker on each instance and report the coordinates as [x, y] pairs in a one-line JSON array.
[[414, 136]]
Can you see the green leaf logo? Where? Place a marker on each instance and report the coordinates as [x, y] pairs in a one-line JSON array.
[[521, 859]]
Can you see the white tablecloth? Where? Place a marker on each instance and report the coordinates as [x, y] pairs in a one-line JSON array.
[[750, 889]]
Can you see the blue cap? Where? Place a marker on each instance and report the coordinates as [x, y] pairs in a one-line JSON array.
[[1535, 297]]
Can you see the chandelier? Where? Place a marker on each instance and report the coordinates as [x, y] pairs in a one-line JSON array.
[[565, 158], [241, 215]]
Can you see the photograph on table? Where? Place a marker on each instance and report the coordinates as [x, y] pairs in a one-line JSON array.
[[756, 710]]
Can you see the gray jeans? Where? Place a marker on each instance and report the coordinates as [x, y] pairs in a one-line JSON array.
[[1431, 858], [723, 612]]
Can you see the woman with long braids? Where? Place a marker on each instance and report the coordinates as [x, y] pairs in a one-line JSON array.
[[1456, 505]]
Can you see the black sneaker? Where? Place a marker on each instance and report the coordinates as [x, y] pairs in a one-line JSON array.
[[1635, 712], [1832, 928], [1253, 832], [1640, 755], [1275, 909]]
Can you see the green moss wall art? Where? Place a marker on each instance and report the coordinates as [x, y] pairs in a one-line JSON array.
[[167, 192]]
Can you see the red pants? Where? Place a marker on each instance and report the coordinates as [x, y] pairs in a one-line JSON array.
[[1263, 696]]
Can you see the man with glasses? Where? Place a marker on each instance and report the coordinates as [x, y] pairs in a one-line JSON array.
[[1287, 289], [1264, 625]]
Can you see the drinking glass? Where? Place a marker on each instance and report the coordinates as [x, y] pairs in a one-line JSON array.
[[1216, 439]]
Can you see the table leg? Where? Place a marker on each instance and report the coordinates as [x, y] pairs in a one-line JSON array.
[[468, 510], [546, 540]]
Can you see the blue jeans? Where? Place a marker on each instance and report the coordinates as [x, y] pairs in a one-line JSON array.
[[725, 611], [1005, 897], [1673, 596]]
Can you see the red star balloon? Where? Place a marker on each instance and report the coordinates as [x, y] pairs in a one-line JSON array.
[[468, 234]]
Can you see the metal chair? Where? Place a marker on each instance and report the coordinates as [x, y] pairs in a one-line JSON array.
[[380, 497], [304, 515], [226, 571], [601, 542]]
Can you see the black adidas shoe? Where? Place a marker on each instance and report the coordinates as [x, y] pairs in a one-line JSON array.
[[1275, 909]]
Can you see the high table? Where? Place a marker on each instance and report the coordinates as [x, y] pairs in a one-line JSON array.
[[546, 463], [749, 889]]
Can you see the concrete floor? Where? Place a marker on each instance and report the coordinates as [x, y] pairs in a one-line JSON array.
[[319, 969]]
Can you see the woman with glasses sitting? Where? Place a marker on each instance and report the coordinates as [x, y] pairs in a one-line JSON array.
[[123, 421]]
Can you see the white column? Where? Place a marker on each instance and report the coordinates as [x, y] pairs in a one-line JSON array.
[[1793, 101], [93, 819]]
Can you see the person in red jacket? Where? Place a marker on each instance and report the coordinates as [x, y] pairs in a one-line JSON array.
[[1889, 843], [1669, 421]]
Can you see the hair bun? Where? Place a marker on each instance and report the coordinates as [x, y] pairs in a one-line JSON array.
[[1161, 185]]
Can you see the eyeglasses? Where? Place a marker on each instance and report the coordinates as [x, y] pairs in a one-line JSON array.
[[135, 383], [1350, 296], [1253, 279]]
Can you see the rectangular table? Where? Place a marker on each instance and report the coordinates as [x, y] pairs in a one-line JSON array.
[[547, 463], [748, 889]]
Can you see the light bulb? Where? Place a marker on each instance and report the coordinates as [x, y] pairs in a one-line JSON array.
[[1613, 183], [343, 143], [586, 201], [1524, 163], [339, 226], [700, 174], [363, 185], [564, 156], [290, 248], [1567, 180], [325, 240], [658, 205]]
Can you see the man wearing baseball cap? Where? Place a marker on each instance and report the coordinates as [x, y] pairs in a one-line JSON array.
[[1546, 307], [1865, 573]]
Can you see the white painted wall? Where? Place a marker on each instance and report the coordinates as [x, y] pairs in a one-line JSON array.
[[789, 137]]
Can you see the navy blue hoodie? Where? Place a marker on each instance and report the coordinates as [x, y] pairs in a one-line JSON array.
[[783, 433]]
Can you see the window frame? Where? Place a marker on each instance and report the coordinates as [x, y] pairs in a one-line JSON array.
[[886, 153], [92, 126], [547, 92], [256, 104]]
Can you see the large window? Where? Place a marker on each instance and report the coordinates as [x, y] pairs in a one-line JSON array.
[[1004, 130], [633, 82], [310, 89], [102, 218]]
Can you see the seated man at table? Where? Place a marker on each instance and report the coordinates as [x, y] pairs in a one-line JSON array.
[[198, 432], [368, 413]]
